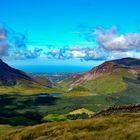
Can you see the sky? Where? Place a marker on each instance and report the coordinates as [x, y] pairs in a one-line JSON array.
[[68, 32]]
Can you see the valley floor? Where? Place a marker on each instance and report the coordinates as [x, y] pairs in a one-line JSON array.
[[21, 117]]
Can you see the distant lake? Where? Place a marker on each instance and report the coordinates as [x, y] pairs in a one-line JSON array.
[[54, 69], [49, 95]]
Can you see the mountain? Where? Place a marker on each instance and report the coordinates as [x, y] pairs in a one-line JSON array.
[[110, 77], [13, 80]]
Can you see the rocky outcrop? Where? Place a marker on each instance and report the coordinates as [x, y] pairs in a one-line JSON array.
[[119, 109]]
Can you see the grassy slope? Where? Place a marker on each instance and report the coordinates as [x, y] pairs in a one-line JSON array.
[[118, 127], [107, 84], [6, 128], [24, 87]]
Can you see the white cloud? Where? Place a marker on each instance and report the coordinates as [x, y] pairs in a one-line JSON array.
[[112, 41], [78, 54]]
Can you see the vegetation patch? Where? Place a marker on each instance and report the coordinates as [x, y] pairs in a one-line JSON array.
[[54, 118], [80, 111]]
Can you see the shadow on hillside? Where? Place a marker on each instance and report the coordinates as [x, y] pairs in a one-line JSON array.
[[22, 110], [133, 81], [18, 101], [138, 77]]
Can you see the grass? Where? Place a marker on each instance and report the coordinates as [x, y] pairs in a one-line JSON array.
[[118, 127], [109, 83], [78, 93], [4, 129], [80, 111], [54, 118], [112, 83], [27, 89]]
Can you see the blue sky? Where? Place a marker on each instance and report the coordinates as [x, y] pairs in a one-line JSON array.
[[54, 21], [57, 25]]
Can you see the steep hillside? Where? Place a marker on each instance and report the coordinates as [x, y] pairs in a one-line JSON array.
[[110, 77], [16, 81]]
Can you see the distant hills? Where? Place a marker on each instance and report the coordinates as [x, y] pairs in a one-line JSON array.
[[116, 76]]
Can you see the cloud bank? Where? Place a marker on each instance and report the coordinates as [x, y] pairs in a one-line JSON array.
[[109, 45], [83, 53]]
